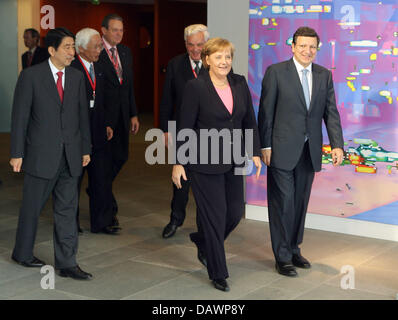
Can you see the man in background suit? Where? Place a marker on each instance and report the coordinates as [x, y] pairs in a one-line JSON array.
[[50, 141], [35, 54], [88, 49], [296, 95], [180, 70], [121, 112]]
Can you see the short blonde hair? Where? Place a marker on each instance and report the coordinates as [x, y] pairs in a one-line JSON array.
[[195, 28], [214, 45]]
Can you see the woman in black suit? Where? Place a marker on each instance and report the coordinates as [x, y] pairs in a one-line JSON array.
[[216, 104]]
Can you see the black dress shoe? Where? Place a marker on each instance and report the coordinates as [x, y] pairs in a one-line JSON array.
[[111, 230], [300, 262], [79, 229], [34, 263], [286, 269], [169, 230], [221, 284], [115, 221], [75, 273]]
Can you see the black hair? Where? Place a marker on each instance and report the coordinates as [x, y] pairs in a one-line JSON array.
[[305, 32], [112, 16], [55, 36], [33, 32]]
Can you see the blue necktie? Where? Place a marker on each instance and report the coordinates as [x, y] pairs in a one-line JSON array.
[[91, 72], [306, 89]]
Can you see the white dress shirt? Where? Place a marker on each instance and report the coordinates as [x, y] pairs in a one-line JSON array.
[[300, 69], [193, 64], [54, 71]]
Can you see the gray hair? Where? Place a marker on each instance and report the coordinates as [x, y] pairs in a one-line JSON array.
[[195, 28], [83, 38]]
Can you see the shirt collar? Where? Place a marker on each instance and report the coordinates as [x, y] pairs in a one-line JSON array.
[[53, 68], [107, 45], [86, 63], [300, 68], [193, 64]]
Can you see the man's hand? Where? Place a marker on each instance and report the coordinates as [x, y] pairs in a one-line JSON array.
[[266, 156], [135, 125], [257, 163], [16, 164], [337, 156], [86, 160], [177, 173], [109, 133], [168, 139]]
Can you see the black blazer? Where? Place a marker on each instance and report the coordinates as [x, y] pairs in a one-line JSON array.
[[97, 113], [202, 108], [42, 127], [179, 72], [284, 121], [119, 98], [40, 55]]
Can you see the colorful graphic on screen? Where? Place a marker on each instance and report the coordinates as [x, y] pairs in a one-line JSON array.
[[359, 44]]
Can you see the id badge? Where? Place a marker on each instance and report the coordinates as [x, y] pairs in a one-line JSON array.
[[92, 104]]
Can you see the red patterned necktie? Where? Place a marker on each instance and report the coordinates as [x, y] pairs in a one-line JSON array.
[[59, 86]]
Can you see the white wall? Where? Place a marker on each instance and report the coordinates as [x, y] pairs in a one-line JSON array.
[[229, 19]]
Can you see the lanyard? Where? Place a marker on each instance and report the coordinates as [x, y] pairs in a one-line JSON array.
[[194, 73], [114, 62], [93, 85]]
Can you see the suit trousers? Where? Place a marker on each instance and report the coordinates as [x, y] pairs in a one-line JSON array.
[[179, 202], [288, 195], [220, 207], [36, 192], [119, 146], [99, 189]]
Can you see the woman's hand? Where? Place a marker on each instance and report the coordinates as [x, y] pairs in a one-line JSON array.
[[177, 173], [257, 163]]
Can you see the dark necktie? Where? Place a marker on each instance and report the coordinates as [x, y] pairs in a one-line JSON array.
[[197, 68], [29, 59], [59, 86], [91, 72], [116, 63]]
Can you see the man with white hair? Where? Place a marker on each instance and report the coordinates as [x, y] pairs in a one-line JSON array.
[[88, 48], [180, 70]]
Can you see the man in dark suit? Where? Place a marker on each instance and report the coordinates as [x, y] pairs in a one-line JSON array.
[[296, 95], [88, 48], [50, 141], [180, 70], [35, 54], [121, 112]]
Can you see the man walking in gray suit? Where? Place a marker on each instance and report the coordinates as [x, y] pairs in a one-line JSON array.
[[296, 95], [50, 141]]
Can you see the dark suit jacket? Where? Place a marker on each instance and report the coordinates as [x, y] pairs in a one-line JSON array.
[[119, 98], [40, 55], [284, 121], [96, 114], [179, 72], [202, 108], [42, 127]]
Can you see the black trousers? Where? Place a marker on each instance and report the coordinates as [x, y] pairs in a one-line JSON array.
[[99, 189], [288, 195], [179, 202], [220, 207], [119, 153], [36, 192]]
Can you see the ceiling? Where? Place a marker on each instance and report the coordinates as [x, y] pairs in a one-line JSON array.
[[143, 1]]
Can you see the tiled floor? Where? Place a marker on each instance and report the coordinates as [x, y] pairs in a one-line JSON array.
[[139, 264]]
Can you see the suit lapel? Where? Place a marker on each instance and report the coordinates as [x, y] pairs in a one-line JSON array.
[[293, 74], [315, 85], [122, 56], [187, 69], [68, 85], [49, 82], [109, 64]]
